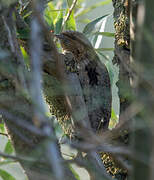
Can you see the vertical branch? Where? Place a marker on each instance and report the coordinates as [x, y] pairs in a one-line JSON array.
[[122, 52], [52, 151], [9, 23], [12, 37], [36, 63]]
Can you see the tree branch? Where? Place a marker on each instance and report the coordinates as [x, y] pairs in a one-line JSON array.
[[69, 13]]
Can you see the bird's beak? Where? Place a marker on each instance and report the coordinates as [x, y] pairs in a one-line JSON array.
[[59, 36]]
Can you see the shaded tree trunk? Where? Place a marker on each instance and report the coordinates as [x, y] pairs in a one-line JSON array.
[[142, 30], [122, 54]]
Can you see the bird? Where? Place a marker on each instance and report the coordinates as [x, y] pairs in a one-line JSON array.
[[93, 75]]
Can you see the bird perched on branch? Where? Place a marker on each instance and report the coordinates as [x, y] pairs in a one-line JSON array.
[[93, 76]]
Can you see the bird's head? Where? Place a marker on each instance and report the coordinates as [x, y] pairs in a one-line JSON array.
[[75, 42]]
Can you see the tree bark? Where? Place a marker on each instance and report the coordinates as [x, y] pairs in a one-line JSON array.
[[122, 54]]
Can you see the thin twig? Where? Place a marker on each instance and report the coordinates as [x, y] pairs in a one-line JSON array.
[[12, 38], [36, 66], [38, 26], [69, 13], [22, 123], [10, 156], [15, 48], [18, 158], [22, 136], [108, 148], [4, 134]]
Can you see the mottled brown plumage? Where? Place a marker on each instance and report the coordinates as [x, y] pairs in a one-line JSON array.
[[93, 76]]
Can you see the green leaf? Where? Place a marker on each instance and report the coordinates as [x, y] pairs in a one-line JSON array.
[[5, 175], [93, 7], [25, 56], [49, 15], [27, 14], [111, 73], [51, 11], [70, 23], [74, 172], [107, 34], [103, 55], [58, 25], [8, 148], [91, 27], [114, 119], [84, 21], [2, 129], [104, 49], [49, 22]]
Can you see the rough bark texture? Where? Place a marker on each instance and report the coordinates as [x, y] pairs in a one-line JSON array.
[[122, 59], [122, 52]]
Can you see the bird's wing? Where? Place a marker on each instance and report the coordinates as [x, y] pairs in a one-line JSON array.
[[95, 82]]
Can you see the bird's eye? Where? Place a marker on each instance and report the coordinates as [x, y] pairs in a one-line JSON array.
[[73, 37], [66, 41]]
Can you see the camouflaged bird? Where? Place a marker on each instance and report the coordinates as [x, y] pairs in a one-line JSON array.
[[93, 76]]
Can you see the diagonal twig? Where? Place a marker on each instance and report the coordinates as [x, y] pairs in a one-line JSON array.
[[69, 13], [4, 134]]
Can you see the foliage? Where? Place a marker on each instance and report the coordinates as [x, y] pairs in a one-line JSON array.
[[5, 175]]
